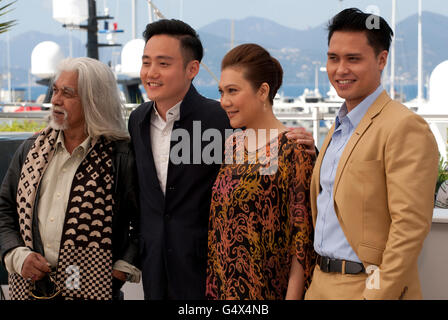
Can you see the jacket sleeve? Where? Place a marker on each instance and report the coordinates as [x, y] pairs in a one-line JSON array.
[[10, 237], [411, 165], [129, 208], [300, 170]]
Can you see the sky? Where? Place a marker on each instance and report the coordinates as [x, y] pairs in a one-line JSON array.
[[298, 14]]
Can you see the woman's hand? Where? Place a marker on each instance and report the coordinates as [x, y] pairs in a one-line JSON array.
[[296, 281]]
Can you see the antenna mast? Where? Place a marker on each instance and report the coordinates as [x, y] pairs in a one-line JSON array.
[[392, 53], [420, 54]]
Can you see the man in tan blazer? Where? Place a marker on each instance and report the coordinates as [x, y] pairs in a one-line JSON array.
[[372, 190]]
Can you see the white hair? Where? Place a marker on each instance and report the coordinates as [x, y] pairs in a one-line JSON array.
[[100, 99]]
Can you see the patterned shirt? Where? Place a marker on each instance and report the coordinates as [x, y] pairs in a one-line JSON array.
[[259, 222]]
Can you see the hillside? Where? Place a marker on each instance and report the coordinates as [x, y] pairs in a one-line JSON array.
[[295, 49]]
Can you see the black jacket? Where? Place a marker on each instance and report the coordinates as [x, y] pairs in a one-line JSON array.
[[174, 227], [125, 215]]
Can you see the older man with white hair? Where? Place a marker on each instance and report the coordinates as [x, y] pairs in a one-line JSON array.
[[68, 208]]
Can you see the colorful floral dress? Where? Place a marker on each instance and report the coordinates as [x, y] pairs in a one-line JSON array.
[[260, 218]]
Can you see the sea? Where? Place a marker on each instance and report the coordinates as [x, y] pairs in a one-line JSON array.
[[409, 92]]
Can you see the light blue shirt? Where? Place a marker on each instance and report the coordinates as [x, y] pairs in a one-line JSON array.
[[329, 239]]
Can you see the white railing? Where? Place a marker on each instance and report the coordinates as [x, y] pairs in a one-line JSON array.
[[314, 116]]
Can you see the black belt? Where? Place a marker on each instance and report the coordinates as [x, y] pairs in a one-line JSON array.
[[335, 265]]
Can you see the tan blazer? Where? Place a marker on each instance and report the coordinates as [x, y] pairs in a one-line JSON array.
[[384, 194]]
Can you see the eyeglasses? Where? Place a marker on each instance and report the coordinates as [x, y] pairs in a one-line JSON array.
[[66, 92], [50, 288]]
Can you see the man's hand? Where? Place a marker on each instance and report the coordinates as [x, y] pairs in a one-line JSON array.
[[301, 136], [35, 267], [120, 275]]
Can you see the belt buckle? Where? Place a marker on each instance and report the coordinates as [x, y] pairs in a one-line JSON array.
[[325, 266]]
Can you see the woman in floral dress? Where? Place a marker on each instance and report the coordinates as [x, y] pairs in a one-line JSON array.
[[260, 242]]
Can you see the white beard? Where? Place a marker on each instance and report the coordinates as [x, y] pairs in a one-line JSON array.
[[58, 126]]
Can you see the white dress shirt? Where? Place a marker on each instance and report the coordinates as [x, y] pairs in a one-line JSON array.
[[161, 140]]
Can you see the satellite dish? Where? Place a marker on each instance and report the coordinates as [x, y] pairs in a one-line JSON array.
[[131, 58], [437, 88], [70, 11], [44, 59], [437, 83]]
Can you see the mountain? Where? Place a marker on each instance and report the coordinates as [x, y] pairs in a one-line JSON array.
[[22, 46], [295, 49], [267, 33], [435, 44], [298, 49]]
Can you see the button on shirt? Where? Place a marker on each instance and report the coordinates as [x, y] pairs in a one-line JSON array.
[[161, 140], [329, 239], [54, 194]]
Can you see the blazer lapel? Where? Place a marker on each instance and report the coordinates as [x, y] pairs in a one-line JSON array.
[[145, 136], [365, 123]]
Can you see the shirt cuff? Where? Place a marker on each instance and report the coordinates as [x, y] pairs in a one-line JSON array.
[[134, 274], [14, 259]]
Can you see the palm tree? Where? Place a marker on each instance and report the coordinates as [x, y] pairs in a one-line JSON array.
[[4, 26]]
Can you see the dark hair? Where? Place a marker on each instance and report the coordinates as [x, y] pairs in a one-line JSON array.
[[190, 43], [379, 35], [258, 66]]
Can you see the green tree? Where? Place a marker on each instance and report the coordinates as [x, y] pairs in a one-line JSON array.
[[4, 26]]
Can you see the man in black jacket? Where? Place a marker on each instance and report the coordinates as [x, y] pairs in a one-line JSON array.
[[175, 198], [178, 140], [68, 202]]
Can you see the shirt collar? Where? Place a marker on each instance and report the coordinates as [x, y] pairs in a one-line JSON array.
[[172, 113], [83, 147], [359, 111]]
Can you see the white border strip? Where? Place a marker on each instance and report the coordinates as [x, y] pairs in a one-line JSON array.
[[440, 215]]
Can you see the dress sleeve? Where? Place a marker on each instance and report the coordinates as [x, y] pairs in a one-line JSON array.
[[300, 168]]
